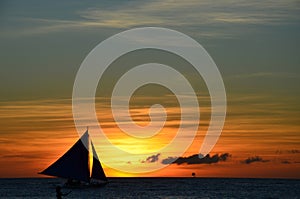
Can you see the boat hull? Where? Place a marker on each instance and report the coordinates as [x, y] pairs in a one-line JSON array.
[[79, 185]]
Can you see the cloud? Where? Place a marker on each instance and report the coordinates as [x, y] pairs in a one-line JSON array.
[[36, 115], [194, 159], [254, 159], [265, 75], [24, 155], [169, 160], [293, 151], [151, 159], [171, 13]]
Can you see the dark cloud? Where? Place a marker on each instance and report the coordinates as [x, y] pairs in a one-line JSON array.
[[169, 160], [151, 159], [294, 151], [285, 162], [254, 159], [194, 159]]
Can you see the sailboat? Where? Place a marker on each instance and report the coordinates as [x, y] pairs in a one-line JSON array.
[[74, 165]]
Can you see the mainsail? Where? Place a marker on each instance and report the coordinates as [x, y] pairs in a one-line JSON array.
[[74, 164]]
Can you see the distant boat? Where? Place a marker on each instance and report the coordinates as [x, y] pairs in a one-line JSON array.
[[74, 165]]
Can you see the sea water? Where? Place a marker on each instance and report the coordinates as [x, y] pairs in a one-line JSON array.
[[156, 188]]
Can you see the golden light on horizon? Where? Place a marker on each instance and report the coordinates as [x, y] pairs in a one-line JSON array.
[[28, 148]]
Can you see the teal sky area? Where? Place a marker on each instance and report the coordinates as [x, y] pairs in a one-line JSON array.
[[255, 44]]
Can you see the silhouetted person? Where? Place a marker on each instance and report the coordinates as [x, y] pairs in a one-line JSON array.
[[59, 194], [193, 174]]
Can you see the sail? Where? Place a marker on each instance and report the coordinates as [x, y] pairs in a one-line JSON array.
[[97, 170], [74, 163]]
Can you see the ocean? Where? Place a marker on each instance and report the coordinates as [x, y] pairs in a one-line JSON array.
[[156, 188]]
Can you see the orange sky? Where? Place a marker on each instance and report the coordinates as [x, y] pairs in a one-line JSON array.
[[35, 133]]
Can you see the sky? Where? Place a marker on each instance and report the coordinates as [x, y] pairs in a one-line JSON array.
[[255, 45]]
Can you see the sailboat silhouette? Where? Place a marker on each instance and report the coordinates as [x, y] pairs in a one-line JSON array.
[[74, 165]]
